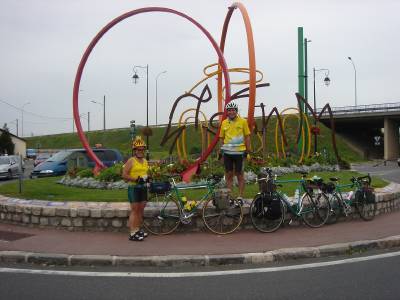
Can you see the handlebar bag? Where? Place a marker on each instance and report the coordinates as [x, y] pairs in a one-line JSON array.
[[365, 195], [160, 187]]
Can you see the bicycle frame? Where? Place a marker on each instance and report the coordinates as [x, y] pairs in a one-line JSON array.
[[175, 190], [172, 210], [298, 204]]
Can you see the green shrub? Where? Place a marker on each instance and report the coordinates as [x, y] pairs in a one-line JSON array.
[[85, 173], [113, 173], [73, 171]]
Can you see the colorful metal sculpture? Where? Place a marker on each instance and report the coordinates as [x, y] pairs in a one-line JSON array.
[[98, 164]]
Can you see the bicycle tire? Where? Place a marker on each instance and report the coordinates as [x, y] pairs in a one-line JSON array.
[[163, 217], [315, 211], [222, 221], [366, 210], [259, 219], [336, 209]]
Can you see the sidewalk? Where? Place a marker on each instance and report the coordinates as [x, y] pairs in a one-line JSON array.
[[52, 246]]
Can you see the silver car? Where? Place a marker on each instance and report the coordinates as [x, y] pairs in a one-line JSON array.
[[9, 166]]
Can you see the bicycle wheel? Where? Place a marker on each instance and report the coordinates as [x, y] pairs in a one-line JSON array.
[[162, 216], [336, 208], [263, 217], [315, 211], [222, 220], [366, 210]]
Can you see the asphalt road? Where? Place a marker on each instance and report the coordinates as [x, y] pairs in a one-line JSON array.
[[389, 170], [375, 278]]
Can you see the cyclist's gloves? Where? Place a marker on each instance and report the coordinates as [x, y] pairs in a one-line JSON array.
[[140, 180]]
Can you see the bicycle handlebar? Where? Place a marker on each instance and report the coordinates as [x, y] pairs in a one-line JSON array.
[[359, 179]]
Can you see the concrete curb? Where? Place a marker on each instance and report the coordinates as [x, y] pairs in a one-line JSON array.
[[279, 255]]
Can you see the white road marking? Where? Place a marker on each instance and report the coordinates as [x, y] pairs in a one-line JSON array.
[[198, 274]]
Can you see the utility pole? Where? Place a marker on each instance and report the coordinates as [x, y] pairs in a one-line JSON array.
[[88, 121], [104, 113]]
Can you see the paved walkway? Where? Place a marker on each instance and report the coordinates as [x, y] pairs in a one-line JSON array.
[[20, 243], [203, 243]]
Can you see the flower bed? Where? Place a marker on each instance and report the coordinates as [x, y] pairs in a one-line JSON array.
[[250, 177]]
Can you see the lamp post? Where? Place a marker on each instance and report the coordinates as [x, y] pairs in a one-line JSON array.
[[163, 72], [306, 69], [104, 110], [135, 78], [355, 80], [22, 118], [327, 81]]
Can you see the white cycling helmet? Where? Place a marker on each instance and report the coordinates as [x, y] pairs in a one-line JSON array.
[[231, 105]]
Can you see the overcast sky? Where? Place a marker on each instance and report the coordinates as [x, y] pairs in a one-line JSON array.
[[42, 42]]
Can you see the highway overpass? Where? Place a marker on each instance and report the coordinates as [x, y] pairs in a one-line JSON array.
[[372, 129]]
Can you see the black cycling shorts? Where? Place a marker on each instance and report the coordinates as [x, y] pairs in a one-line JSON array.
[[137, 193], [233, 162]]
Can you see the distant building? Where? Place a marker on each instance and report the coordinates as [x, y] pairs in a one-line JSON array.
[[20, 144]]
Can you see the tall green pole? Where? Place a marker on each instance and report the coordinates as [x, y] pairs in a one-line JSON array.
[[301, 74], [300, 41]]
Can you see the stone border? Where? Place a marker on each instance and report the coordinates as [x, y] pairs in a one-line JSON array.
[[279, 255], [104, 216]]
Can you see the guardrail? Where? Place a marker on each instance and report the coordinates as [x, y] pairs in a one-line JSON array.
[[371, 108]]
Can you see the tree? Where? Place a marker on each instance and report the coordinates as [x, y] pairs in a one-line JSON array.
[[6, 144]]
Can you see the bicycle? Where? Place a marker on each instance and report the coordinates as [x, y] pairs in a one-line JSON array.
[[220, 214], [269, 206], [361, 197]]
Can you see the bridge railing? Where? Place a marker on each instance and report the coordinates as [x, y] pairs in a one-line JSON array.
[[385, 107]]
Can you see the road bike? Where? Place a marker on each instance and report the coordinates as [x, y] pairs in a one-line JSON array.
[[168, 207], [269, 206], [361, 197]]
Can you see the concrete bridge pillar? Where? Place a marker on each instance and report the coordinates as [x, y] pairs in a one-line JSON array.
[[391, 139]]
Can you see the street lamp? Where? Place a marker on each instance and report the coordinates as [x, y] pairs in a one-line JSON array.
[[355, 80], [163, 72], [135, 78], [327, 81], [104, 110], [306, 41], [22, 118]]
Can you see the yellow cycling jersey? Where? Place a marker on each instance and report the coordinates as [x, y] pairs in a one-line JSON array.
[[233, 133], [139, 169]]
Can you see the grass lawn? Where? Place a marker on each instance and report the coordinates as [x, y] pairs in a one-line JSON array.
[[48, 189]]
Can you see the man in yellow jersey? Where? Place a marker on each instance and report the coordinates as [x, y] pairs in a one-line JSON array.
[[135, 172], [235, 140]]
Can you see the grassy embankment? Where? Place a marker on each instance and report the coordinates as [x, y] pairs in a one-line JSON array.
[[120, 139]]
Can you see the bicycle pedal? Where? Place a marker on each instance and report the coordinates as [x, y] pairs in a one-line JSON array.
[[186, 220]]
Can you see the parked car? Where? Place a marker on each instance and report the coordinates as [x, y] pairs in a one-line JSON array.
[[9, 166], [58, 164], [31, 153], [17, 158], [41, 157]]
